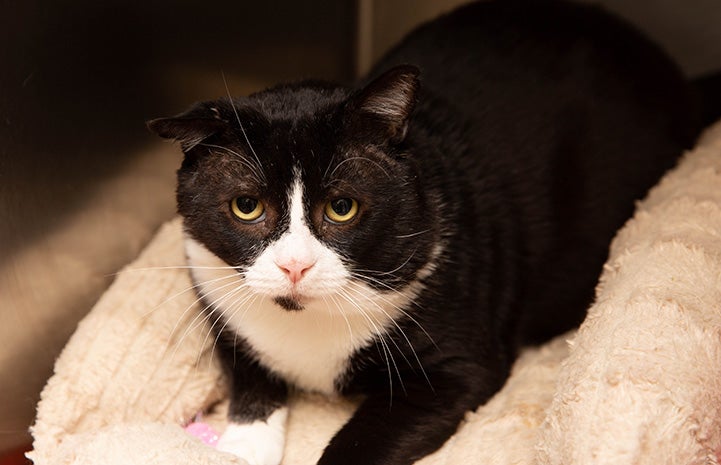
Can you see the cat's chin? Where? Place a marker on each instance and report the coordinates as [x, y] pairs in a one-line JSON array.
[[290, 303]]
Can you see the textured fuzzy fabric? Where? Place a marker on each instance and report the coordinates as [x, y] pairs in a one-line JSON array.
[[640, 385]]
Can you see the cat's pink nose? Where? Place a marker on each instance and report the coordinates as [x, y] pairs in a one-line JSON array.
[[295, 269]]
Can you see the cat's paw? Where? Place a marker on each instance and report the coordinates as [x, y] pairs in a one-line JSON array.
[[258, 443]]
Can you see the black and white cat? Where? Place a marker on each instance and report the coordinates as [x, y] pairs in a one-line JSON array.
[[401, 239]]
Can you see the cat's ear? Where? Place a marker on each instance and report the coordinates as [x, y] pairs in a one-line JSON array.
[[189, 128], [385, 105]]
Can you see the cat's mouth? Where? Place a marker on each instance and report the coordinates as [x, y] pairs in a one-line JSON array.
[[290, 303]]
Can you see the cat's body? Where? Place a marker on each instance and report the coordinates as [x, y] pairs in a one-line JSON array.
[[401, 241]]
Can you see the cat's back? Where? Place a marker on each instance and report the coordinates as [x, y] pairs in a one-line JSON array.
[[512, 59], [555, 117]]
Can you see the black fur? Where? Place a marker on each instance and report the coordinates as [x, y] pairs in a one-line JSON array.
[[520, 148]]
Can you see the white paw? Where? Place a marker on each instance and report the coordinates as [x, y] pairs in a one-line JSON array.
[[258, 443]]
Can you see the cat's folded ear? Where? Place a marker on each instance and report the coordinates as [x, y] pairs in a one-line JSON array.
[[189, 128], [384, 106]]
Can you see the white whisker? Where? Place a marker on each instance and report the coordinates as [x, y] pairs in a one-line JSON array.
[[235, 307], [257, 174], [363, 159], [218, 305], [342, 314], [391, 272], [242, 129], [325, 173], [402, 333], [359, 293], [203, 314], [187, 289], [417, 233], [404, 312], [180, 267], [381, 333]]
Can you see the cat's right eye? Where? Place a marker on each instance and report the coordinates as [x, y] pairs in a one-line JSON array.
[[247, 209], [341, 210]]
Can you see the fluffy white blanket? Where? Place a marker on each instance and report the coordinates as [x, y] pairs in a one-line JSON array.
[[639, 384]]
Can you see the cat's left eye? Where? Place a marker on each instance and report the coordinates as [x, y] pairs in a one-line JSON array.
[[247, 209], [341, 210]]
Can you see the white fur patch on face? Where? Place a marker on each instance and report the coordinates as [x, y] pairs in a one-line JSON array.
[[311, 347], [324, 271], [259, 442]]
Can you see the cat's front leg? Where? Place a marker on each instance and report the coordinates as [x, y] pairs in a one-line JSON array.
[[408, 426], [257, 414]]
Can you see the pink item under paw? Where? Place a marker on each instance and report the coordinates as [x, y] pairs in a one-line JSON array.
[[204, 432]]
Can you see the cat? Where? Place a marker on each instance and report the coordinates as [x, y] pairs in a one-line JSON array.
[[402, 238]]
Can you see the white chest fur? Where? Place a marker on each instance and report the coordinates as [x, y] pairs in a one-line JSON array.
[[309, 348]]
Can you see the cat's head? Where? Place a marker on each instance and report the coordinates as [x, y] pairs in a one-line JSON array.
[[309, 191]]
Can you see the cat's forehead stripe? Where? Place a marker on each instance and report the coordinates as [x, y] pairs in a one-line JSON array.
[[295, 200]]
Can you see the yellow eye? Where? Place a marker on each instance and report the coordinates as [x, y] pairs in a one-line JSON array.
[[341, 210], [247, 209]]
